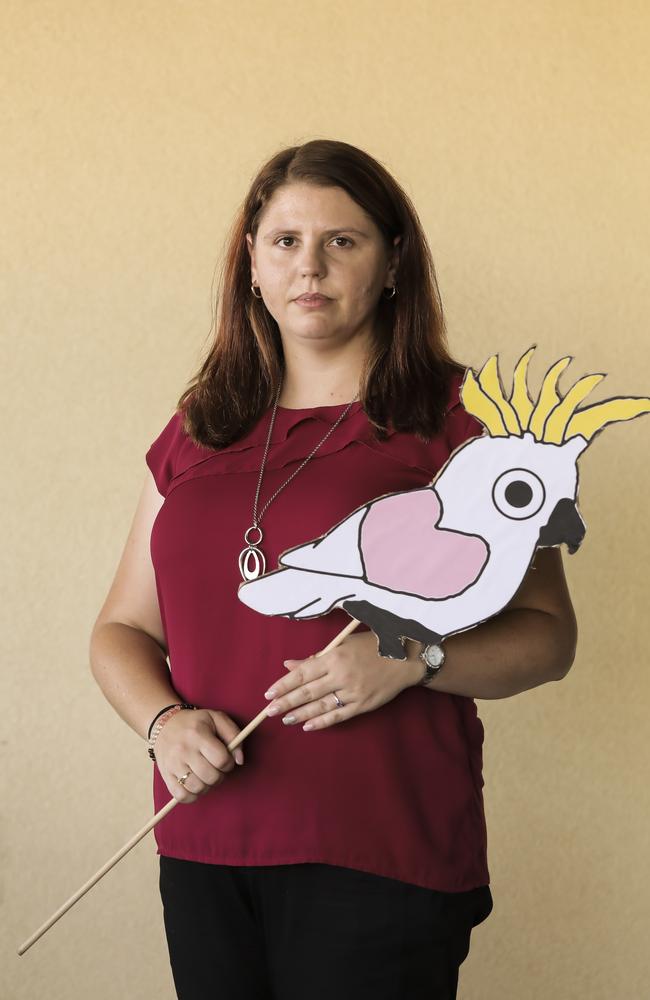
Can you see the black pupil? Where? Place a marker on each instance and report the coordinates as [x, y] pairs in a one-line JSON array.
[[518, 494]]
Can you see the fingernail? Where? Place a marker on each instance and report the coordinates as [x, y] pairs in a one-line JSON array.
[[289, 720], [270, 693], [273, 710], [239, 757]]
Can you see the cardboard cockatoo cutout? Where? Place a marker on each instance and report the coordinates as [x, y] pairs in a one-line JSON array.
[[425, 563]]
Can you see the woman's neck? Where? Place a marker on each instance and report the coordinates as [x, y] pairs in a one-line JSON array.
[[310, 381], [308, 400]]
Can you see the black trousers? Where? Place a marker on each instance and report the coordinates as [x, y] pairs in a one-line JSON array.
[[312, 931]]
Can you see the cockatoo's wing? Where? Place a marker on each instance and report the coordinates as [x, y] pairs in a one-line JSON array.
[[393, 542], [403, 550], [336, 552]]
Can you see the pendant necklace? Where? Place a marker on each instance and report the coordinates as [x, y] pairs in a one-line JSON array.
[[251, 559]]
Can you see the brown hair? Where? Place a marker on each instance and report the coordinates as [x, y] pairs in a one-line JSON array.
[[405, 378]]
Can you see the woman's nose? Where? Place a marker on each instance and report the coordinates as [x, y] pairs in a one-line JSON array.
[[311, 261]]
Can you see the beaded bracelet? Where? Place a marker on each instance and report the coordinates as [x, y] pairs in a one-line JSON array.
[[158, 716], [160, 720]]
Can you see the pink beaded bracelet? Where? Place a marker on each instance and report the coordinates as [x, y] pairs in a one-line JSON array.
[[160, 722]]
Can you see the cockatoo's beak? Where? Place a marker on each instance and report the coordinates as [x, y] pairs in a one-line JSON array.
[[564, 525]]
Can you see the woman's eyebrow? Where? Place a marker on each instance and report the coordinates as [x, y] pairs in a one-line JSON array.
[[327, 232]]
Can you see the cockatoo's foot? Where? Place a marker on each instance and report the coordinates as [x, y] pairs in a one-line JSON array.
[[390, 629]]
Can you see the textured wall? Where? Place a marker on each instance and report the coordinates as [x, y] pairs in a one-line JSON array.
[[130, 132]]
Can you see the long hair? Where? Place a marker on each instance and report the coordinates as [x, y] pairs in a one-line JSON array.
[[405, 376]]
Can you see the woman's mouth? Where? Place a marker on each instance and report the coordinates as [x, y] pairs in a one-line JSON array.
[[312, 301]]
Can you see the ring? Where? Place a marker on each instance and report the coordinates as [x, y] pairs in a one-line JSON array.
[[184, 778], [338, 700]]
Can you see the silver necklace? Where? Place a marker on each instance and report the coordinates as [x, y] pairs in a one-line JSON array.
[[251, 559]]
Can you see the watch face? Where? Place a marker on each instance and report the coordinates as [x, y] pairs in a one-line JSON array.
[[434, 655]]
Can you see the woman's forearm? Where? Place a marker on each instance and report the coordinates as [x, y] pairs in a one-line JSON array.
[[516, 650], [131, 669]]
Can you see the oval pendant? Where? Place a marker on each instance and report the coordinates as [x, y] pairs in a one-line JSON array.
[[251, 563]]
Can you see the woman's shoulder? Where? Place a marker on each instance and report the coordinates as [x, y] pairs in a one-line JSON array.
[[428, 456], [161, 452], [172, 451]]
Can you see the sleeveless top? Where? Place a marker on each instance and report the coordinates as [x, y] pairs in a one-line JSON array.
[[396, 791]]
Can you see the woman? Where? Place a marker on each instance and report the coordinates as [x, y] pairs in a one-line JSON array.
[[348, 852]]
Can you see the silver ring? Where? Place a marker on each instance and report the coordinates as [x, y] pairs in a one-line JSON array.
[[338, 700], [184, 778]]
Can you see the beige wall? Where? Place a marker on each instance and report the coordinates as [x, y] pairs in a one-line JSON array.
[[130, 133]]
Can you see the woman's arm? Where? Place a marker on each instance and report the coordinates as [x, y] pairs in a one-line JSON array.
[[127, 651], [128, 659], [532, 641]]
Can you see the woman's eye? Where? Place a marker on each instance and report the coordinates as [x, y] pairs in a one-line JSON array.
[[283, 238]]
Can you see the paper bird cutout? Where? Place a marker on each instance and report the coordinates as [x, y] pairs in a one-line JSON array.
[[425, 563]]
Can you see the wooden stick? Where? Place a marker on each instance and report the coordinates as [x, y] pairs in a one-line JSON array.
[[350, 627]]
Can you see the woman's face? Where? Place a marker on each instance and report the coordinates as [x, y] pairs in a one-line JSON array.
[[317, 239]]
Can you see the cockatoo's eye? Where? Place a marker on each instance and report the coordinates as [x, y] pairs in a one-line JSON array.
[[518, 493]]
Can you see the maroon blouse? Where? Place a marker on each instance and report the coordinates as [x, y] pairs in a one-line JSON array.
[[396, 791]]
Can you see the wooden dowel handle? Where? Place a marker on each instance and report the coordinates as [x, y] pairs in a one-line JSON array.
[[96, 877], [137, 837]]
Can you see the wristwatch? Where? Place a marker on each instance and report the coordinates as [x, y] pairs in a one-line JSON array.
[[433, 657]]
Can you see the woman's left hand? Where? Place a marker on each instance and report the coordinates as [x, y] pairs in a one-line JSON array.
[[362, 679]]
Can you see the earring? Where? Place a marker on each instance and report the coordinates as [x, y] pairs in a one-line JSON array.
[[393, 290], [253, 287]]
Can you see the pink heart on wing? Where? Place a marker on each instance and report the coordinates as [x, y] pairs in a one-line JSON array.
[[403, 550]]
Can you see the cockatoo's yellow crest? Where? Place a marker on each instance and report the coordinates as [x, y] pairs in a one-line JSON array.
[[552, 419]]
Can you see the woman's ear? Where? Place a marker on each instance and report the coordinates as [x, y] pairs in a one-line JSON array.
[[394, 260]]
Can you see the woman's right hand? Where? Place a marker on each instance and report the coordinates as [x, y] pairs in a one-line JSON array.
[[189, 741]]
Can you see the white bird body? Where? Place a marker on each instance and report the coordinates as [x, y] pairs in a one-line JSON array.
[[444, 556]]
